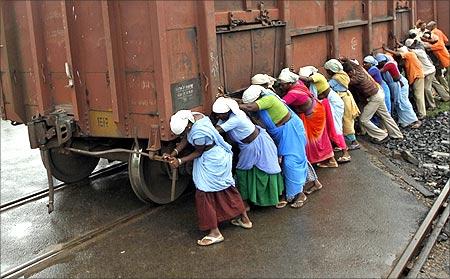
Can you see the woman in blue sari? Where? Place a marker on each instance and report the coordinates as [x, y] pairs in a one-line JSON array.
[[288, 132], [216, 198], [258, 172], [399, 88], [370, 64]]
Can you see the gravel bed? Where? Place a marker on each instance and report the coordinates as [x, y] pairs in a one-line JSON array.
[[424, 155], [424, 152]]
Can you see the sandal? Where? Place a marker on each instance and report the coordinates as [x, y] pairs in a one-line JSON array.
[[313, 189], [327, 165], [354, 146], [344, 159], [211, 240], [238, 222], [281, 204], [298, 203], [416, 125]]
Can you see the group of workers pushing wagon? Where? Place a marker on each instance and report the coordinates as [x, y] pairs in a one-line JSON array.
[[282, 130]]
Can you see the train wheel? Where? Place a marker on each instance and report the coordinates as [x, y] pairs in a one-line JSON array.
[[151, 180], [70, 167]]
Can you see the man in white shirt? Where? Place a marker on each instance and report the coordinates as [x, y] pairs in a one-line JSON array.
[[428, 69]]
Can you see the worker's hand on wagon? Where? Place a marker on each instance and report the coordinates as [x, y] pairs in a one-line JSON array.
[[292, 68], [175, 162], [168, 157]]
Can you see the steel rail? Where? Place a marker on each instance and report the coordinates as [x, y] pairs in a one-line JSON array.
[[44, 192], [431, 240], [420, 234], [22, 269], [85, 239]]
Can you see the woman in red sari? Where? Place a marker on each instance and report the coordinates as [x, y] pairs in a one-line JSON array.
[[313, 114]]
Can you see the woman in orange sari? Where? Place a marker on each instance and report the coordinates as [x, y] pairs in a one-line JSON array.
[[313, 115]]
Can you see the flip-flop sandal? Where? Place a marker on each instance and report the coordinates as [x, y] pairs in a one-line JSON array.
[[313, 189], [298, 204], [344, 159], [320, 165], [354, 147], [212, 240], [416, 126], [238, 222], [281, 204]]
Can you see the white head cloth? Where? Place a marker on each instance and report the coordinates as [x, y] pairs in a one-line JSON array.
[[355, 61], [252, 93], [333, 65], [409, 42], [403, 49], [307, 71], [260, 79], [371, 60], [286, 76], [224, 105], [180, 120]]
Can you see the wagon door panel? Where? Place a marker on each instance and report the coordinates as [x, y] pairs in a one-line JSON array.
[[250, 40]]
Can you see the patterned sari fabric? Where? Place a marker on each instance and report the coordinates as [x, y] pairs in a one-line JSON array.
[[318, 147]]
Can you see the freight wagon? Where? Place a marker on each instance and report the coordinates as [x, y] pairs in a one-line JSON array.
[[100, 79]]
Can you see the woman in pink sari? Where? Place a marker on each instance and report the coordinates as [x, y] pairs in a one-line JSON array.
[[313, 115]]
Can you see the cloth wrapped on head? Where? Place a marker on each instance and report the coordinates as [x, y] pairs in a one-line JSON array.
[[180, 120], [371, 60], [355, 61], [260, 79], [403, 49], [307, 71], [409, 42], [252, 93], [286, 76], [333, 65], [381, 57], [224, 105]]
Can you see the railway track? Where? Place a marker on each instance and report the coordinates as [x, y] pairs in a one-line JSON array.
[[44, 260], [44, 192], [417, 251]]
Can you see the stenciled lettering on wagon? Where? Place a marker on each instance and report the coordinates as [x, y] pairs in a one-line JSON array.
[[186, 94]]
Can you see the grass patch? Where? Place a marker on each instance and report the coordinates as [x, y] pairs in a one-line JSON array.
[[440, 107]]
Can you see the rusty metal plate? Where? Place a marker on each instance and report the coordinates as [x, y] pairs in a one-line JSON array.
[[380, 9], [307, 13], [310, 50], [246, 53], [402, 24], [180, 14], [101, 123], [90, 36], [183, 54], [53, 31], [136, 35], [141, 93], [443, 14], [186, 94], [97, 91], [229, 5], [18, 36], [350, 10], [351, 42], [380, 34]]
